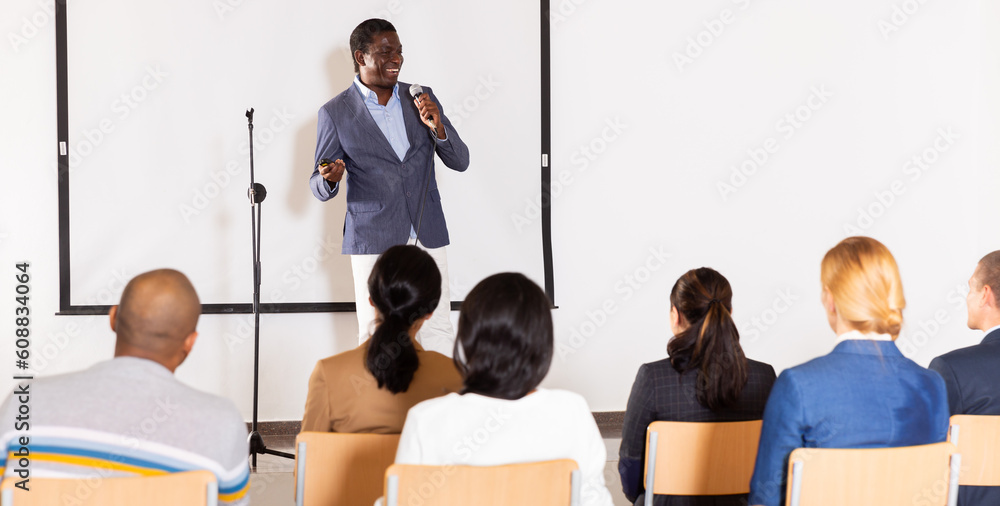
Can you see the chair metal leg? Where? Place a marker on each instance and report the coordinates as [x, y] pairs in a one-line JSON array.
[[796, 483], [392, 490], [574, 483], [300, 474], [211, 494], [956, 468], [650, 467]]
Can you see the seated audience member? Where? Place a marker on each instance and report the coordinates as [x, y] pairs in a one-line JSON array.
[[865, 393], [706, 379], [504, 348], [130, 416], [370, 388], [972, 375]]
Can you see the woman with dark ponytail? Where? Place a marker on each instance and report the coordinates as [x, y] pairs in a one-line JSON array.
[[706, 378], [370, 388]]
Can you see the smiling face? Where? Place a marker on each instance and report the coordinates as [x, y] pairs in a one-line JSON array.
[[379, 67]]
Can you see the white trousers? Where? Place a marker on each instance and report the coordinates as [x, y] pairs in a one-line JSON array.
[[437, 333]]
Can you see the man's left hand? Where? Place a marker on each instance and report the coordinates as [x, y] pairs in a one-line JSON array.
[[430, 114]]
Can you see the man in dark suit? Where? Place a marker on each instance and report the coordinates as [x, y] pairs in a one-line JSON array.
[[972, 374], [384, 139]]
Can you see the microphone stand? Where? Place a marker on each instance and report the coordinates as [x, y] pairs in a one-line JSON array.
[[257, 193]]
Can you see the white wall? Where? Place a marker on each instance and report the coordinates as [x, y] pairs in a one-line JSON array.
[[647, 189]]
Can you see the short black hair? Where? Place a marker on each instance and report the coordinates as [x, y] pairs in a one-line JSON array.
[[988, 273], [504, 344], [361, 37]]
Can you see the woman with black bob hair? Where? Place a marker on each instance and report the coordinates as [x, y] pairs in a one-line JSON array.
[[706, 378], [503, 349], [370, 388]]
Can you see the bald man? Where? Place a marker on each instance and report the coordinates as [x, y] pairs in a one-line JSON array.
[[130, 415], [972, 374]]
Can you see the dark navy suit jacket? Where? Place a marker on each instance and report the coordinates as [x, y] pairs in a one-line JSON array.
[[972, 376], [660, 393], [864, 394], [384, 193]]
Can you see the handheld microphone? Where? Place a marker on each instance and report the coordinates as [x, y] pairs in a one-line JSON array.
[[416, 90]]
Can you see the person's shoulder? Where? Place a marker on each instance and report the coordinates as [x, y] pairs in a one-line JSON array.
[[338, 99], [819, 365], [430, 407], [212, 408], [343, 357], [761, 368], [657, 369], [345, 362], [975, 354], [816, 370]]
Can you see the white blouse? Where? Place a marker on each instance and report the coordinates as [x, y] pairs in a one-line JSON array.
[[477, 430]]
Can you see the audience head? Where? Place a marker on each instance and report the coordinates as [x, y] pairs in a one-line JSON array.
[[156, 318], [861, 287], [405, 286], [504, 343], [705, 337], [983, 300], [364, 34]]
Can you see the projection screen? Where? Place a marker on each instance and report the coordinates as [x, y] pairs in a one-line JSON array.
[[158, 141]]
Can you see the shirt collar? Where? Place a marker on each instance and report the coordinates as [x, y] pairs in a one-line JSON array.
[[989, 331], [857, 335], [369, 96]]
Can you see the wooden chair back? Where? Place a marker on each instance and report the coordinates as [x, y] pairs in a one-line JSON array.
[[689, 458], [333, 469], [977, 438], [926, 475], [549, 483], [194, 488]]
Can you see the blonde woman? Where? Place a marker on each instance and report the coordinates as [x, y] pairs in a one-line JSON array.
[[865, 393]]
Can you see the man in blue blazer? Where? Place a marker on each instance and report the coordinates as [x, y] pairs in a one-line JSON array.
[[384, 139], [972, 374]]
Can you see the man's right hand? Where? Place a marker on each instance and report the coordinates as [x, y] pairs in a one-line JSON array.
[[333, 172]]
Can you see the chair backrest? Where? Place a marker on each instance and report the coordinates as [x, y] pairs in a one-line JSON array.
[[334, 469], [904, 476], [552, 483], [689, 458], [194, 488], [978, 440]]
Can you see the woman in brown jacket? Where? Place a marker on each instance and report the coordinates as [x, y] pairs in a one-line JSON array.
[[370, 388]]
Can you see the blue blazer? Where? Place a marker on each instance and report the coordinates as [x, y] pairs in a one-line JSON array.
[[972, 377], [383, 194], [864, 394]]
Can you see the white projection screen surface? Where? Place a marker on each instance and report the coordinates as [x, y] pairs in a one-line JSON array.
[[158, 141]]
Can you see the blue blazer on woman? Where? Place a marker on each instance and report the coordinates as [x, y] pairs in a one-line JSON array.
[[864, 394]]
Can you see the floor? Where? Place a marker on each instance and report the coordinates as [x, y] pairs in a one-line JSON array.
[[272, 485]]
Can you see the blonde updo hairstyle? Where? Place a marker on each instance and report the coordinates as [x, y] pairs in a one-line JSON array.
[[863, 280]]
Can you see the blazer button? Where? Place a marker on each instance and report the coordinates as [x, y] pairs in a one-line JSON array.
[[407, 194]]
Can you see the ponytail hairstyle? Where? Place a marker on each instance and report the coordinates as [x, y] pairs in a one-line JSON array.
[[863, 280], [711, 342], [405, 286]]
